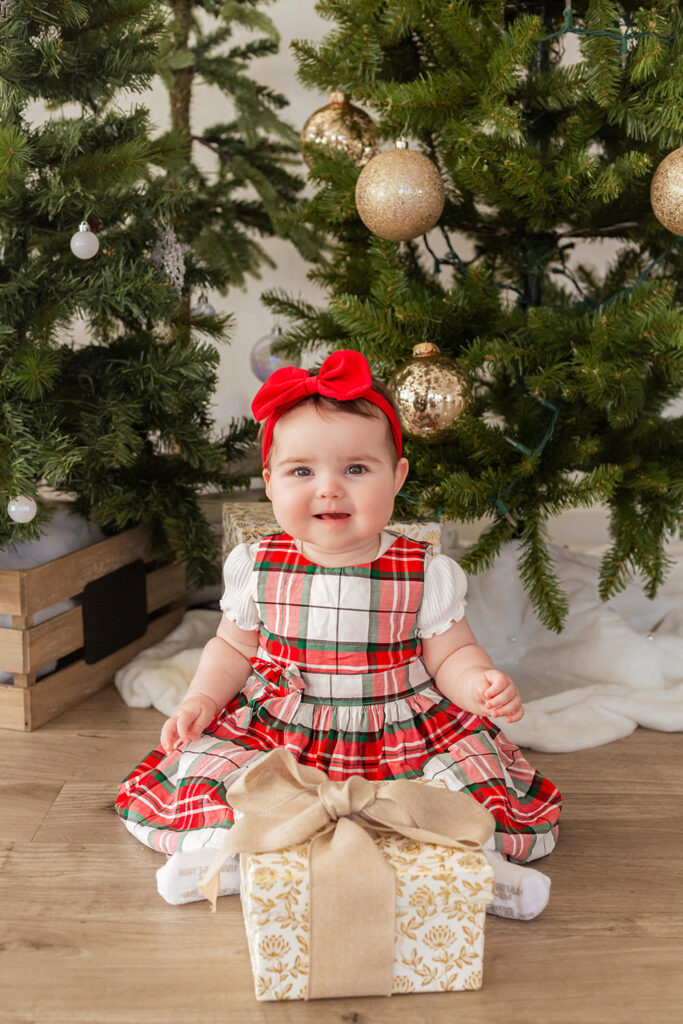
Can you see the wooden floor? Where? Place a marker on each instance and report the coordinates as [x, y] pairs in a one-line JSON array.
[[84, 937]]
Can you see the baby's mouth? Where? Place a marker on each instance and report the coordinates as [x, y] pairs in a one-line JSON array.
[[332, 515]]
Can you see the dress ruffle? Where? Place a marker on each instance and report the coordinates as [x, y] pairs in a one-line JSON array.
[[181, 800]]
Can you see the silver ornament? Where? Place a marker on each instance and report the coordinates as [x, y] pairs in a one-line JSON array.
[[203, 307], [264, 361], [169, 257]]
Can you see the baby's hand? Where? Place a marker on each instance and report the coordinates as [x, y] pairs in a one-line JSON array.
[[187, 722], [499, 696]]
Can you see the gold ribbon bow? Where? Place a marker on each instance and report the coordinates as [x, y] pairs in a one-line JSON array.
[[284, 803]]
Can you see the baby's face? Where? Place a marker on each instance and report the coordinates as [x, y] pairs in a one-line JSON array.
[[332, 481]]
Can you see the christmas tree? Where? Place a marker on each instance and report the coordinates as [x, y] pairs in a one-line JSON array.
[[546, 124], [245, 197], [121, 419]]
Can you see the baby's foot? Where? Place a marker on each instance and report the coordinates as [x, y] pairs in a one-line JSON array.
[[519, 892], [178, 880]]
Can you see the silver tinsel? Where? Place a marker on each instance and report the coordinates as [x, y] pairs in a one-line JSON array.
[[7, 9], [169, 257]]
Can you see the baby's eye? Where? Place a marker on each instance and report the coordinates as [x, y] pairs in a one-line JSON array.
[[357, 469], [301, 471]]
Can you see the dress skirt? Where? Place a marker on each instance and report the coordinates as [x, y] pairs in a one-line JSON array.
[[181, 800]]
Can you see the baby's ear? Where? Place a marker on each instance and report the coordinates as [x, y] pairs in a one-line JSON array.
[[400, 473], [266, 477]]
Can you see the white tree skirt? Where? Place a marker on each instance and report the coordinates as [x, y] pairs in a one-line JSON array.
[[615, 666]]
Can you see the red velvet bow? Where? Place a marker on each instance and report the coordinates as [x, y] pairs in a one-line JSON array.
[[343, 375]]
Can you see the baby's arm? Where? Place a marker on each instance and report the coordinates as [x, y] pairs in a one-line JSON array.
[[465, 674], [223, 670]]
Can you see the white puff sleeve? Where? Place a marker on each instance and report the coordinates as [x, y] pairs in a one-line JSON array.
[[443, 597], [239, 597]]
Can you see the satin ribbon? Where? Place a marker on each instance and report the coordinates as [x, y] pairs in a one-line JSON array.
[[344, 375], [352, 885]]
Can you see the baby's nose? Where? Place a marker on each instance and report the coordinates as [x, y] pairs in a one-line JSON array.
[[329, 485]]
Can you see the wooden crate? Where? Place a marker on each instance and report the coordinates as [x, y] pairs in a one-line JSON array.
[[26, 702]]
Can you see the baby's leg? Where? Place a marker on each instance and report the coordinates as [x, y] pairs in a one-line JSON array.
[[519, 892]]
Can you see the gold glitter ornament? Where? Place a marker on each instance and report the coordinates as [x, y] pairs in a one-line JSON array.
[[343, 126], [429, 392], [400, 194], [666, 192]]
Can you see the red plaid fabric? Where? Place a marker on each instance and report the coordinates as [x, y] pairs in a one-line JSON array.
[[354, 619], [339, 681]]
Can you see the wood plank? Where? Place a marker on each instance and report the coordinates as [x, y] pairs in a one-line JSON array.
[[13, 707], [105, 712], [55, 637], [83, 812], [165, 585], [12, 643], [66, 576], [102, 756], [23, 806], [12, 586]]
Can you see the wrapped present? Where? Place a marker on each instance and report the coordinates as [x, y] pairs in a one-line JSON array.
[[439, 913], [246, 522], [357, 888]]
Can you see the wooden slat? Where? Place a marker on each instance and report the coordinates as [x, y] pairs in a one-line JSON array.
[[13, 707], [25, 651], [166, 585], [55, 637], [66, 576], [28, 709], [12, 582], [12, 650], [69, 686]]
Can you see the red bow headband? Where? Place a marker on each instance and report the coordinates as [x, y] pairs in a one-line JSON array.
[[344, 375]]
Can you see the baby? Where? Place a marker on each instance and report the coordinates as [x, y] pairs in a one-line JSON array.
[[345, 643]]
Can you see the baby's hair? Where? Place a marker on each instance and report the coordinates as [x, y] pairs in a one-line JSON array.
[[353, 406]]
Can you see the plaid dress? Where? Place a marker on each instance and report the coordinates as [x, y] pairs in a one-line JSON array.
[[338, 680]]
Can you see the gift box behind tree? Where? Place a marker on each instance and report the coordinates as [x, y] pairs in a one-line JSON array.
[[440, 909]]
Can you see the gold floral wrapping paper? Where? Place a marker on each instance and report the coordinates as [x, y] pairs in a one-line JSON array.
[[246, 522], [441, 898]]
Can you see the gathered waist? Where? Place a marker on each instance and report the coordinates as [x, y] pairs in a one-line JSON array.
[[361, 688]]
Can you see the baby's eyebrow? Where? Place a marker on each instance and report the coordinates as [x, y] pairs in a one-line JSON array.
[[306, 460]]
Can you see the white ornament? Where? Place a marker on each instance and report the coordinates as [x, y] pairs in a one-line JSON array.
[[84, 243], [203, 307], [22, 509]]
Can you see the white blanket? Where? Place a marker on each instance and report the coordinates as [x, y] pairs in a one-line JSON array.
[[615, 666]]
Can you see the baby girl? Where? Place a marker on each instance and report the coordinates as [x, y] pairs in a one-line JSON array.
[[346, 644]]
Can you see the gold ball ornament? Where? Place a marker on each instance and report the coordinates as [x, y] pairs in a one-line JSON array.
[[429, 392], [400, 194], [343, 126], [666, 192]]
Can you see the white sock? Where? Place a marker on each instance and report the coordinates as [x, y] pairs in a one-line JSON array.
[[518, 892], [178, 880]]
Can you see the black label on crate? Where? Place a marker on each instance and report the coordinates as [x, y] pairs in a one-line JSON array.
[[114, 611]]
